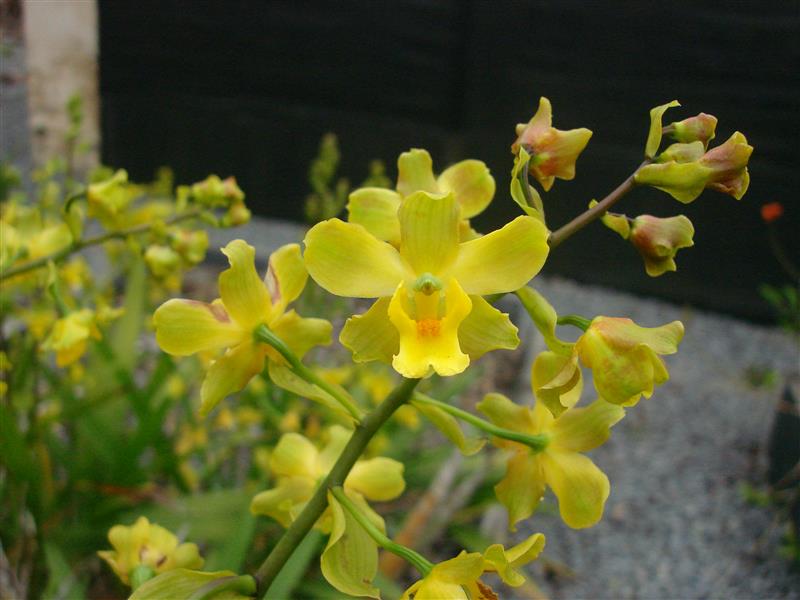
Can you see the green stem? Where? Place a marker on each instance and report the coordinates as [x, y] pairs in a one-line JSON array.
[[536, 442], [780, 255], [421, 564], [575, 320], [362, 435], [597, 211], [78, 245], [263, 334]]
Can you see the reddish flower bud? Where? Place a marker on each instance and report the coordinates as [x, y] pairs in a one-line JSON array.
[[658, 240], [728, 164], [553, 152], [771, 212], [700, 128]]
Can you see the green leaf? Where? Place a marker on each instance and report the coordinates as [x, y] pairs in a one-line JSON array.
[[61, 582], [129, 326]]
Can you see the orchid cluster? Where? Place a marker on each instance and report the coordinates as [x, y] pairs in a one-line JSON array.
[[433, 281]]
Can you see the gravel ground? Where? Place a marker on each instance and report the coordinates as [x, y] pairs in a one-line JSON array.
[[676, 524]]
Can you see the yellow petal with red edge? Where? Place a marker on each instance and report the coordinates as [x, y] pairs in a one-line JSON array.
[[379, 479], [415, 173], [429, 232], [485, 329], [623, 333], [430, 343], [371, 336], [294, 455], [347, 260], [184, 327], [583, 429], [286, 275], [472, 185], [375, 209], [230, 373], [302, 333], [556, 381], [581, 488], [504, 260], [242, 291], [522, 488]]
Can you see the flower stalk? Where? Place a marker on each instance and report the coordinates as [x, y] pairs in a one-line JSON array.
[[362, 435], [598, 210], [537, 443], [263, 334], [78, 245], [421, 564]]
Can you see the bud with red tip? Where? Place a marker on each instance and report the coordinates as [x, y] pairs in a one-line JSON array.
[[553, 152], [700, 128], [658, 241]]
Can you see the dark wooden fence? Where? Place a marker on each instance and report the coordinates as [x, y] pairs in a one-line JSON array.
[[248, 87]]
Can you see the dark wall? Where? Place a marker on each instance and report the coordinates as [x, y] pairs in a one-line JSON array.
[[247, 88]]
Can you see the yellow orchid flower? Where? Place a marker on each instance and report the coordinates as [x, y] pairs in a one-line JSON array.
[[624, 357], [299, 467], [454, 579], [507, 562], [581, 488], [70, 334], [149, 545], [184, 327], [470, 182], [429, 314], [553, 152], [459, 577]]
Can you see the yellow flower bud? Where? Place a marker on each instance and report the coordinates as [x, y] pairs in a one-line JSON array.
[[70, 334], [624, 357], [191, 245], [109, 198], [162, 261], [213, 191]]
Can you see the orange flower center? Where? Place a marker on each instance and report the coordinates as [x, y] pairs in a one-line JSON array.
[[429, 327]]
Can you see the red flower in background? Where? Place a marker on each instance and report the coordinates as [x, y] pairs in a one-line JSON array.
[[771, 212]]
